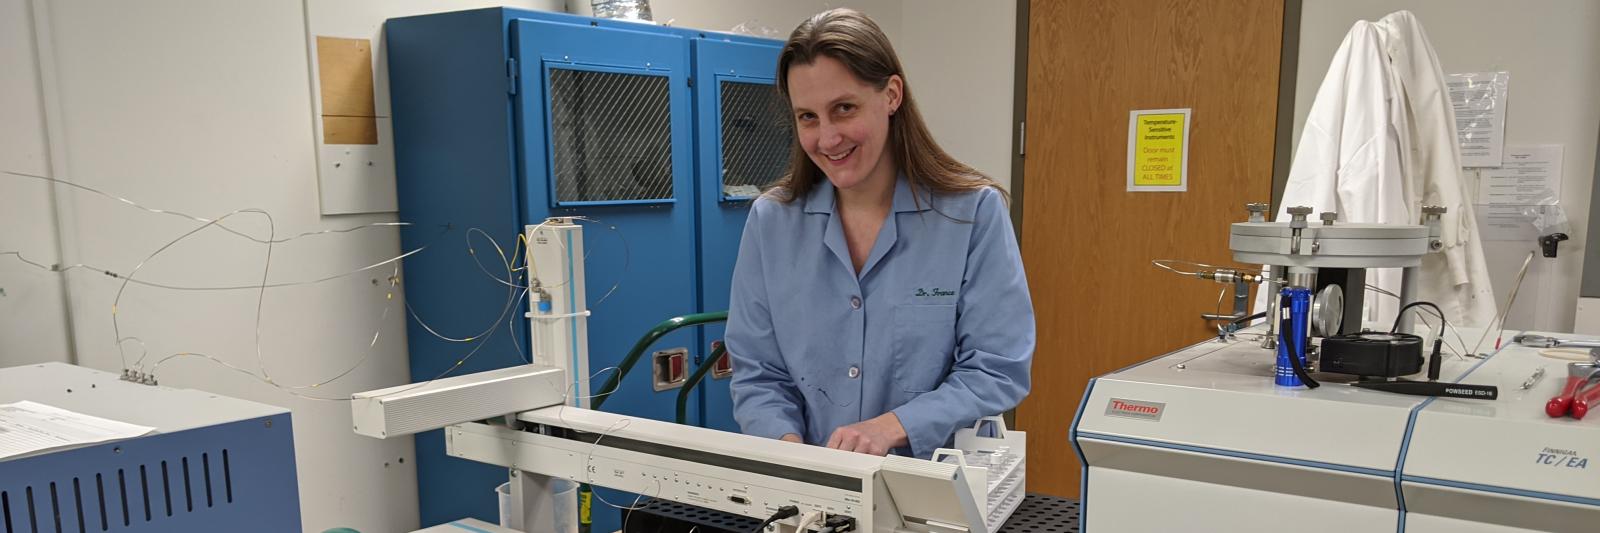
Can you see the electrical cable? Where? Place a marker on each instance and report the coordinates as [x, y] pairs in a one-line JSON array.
[[291, 389], [393, 278], [394, 281], [807, 520], [1224, 334], [1216, 271], [511, 332], [614, 427], [1434, 361], [206, 223], [1163, 264], [782, 513], [1461, 342], [839, 524], [483, 338], [627, 256], [279, 285], [473, 252], [1243, 319], [262, 374], [116, 327], [1380, 290], [271, 240], [1400, 315], [628, 514], [183, 215], [266, 377], [1439, 339], [619, 425]]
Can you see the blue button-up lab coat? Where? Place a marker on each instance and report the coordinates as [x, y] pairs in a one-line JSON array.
[[938, 327]]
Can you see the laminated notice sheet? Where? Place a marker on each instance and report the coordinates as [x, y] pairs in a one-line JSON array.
[[1479, 99]]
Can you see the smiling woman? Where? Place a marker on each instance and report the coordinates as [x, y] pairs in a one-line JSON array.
[[841, 121], [835, 64], [859, 320]]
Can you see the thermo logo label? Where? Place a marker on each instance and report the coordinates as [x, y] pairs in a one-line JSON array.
[[1135, 409]]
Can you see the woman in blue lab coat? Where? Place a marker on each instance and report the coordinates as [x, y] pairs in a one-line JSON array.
[[879, 302]]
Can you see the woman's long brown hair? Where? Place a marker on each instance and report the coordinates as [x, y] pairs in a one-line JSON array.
[[856, 41]]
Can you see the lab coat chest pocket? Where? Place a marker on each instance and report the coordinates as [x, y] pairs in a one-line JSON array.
[[924, 346]]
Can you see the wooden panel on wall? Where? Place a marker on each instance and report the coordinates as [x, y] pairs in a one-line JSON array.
[[344, 69]]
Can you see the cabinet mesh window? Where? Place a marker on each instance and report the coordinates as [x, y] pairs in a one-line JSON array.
[[757, 135], [611, 136]]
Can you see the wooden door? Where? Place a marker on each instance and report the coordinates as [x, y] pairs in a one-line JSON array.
[[1087, 243]]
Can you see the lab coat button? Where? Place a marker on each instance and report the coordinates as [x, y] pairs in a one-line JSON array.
[[855, 303], [854, 372]]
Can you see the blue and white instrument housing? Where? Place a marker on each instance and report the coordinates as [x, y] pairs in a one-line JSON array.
[[213, 463]]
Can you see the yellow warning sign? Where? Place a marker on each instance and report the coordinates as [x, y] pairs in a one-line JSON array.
[[1158, 150]]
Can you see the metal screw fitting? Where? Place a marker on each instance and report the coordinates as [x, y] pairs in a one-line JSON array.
[[1433, 213], [1298, 219], [1258, 211], [1328, 217]]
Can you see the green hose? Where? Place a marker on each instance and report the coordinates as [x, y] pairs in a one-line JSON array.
[[649, 338], [718, 351]]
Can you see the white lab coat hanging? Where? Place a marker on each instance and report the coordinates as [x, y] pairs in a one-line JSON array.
[[1378, 144], [1456, 278]]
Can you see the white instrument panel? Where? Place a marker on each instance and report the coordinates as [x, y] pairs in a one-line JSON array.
[[1507, 456], [1221, 396], [740, 474]]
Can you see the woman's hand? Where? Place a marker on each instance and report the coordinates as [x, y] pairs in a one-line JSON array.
[[792, 438], [875, 437]]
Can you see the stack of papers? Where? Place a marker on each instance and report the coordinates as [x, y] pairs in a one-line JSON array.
[[28, 427]]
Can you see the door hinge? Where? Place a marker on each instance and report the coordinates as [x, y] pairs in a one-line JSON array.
[[1022, 139], [511, 75]]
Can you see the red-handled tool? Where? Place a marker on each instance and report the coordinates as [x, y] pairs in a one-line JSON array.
[[1586, 398], [1581, 384]]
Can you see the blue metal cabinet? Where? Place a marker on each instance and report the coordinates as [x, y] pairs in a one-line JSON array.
[[455, 171], [744, 138], [604, 127], [506, 117]]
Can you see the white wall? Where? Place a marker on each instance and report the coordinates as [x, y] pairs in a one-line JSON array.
[[1552, 51], [33, 325], [960, 58]]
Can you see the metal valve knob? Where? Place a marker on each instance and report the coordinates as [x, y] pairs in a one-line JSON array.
[[1328, 217], [1298, 216], [1258, 211]]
